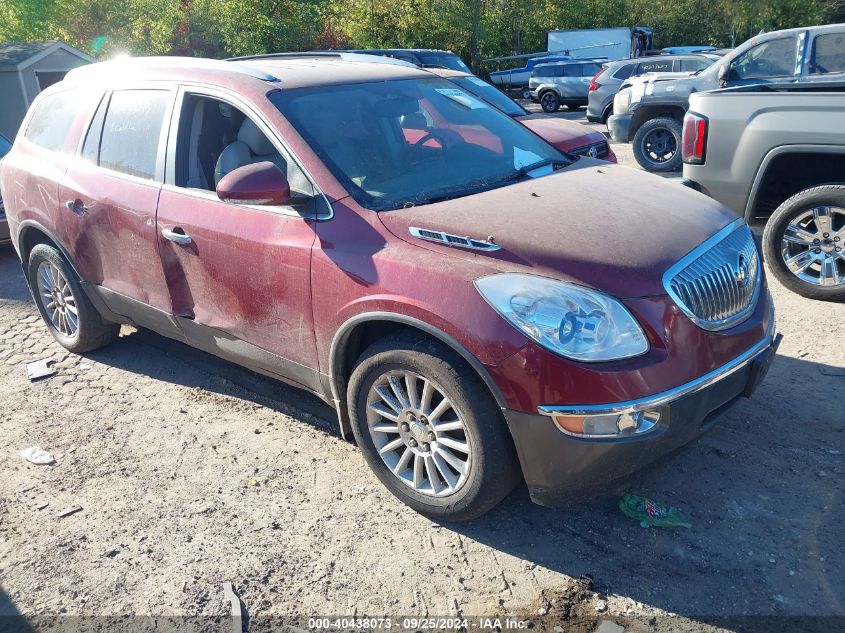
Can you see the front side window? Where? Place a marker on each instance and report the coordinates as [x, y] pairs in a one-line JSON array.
[[132, 131], [491, 95], [548, 70], [53, 117], [411, 142], [215, 138], [694, 65], [773, 58], [828, 54]]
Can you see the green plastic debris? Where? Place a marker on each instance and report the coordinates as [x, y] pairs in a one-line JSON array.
[[652, 513]]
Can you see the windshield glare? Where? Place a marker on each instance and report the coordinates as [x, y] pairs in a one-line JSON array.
[[491, 95], [412, 141]]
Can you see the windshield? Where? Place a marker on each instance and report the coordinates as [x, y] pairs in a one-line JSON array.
[[5, 146], [400, 143], [491, 95], [444, 60]]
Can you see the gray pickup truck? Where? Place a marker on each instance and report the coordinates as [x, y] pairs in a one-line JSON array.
[[776, 153], [649, 111]]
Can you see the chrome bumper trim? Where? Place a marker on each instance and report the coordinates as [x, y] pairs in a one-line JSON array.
[[656, 400]]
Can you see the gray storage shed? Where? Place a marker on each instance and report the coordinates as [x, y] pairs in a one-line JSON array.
[[26, 68]]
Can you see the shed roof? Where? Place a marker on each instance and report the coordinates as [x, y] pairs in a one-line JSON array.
[[17, 55]]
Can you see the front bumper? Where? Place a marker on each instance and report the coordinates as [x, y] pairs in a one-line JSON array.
[[534, 95], [558, 467], [619, 126]]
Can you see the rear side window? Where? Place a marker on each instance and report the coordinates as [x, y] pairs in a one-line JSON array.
[[590, 70], [132, 131], [828, 54], [694, 65], [655, 66], [53, 117], [626, 71]]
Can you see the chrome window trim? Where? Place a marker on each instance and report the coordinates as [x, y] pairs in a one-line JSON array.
[[693, 255], [665, 397]]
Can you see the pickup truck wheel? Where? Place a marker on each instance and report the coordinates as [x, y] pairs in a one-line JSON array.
[[657, 145], [526, 93], [70, 317], [804, 243], [429, 428], [549, 101]]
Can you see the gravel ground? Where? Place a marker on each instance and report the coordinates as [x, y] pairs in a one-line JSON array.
[[190, 472]]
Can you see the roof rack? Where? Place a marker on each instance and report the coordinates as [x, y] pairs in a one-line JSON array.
[[164, 63]]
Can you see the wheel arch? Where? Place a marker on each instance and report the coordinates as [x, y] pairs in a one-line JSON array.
[[795, 162], [646, 113], [360, 331], [31, 233]]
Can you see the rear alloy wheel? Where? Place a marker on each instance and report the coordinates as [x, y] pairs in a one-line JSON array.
[[549, 101], [429, 428], [71, 318], [804, 243], [657, 145]]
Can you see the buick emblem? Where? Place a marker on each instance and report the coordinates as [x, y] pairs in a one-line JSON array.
[[593, 152], [743, 271]]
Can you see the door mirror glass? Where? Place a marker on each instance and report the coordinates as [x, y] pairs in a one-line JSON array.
[[724, 71], [258, 183]]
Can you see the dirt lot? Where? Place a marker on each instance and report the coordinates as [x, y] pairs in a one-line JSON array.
[[190, 472]]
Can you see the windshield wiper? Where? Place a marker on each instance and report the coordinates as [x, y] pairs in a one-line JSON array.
[[527, 169]]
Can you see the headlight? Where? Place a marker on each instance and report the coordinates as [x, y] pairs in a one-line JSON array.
[[566, 319], [621, 102]]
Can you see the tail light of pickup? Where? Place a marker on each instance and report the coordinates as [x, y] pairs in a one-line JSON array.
[[694, 144]]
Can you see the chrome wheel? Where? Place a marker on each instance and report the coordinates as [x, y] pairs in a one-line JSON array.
[[659, 146], [812, 246], [418, 433], [58, 300]]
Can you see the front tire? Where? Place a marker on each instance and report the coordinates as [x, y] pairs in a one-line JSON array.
[[804, 243], [657, 145], [549, 101], [430, 430], [70, 317]]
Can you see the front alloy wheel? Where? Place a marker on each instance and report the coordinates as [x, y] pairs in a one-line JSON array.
[[430, 429], [419, 435], [804, 243]]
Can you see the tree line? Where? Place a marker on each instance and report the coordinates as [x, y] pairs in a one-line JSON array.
[[475, 29]]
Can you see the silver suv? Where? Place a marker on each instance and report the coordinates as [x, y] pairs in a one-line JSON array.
[[562, 83]]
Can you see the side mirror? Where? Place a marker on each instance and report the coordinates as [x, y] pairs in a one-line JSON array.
[[724, 73], [259, 183]]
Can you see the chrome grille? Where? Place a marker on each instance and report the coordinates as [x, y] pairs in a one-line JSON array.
[[599, 150], [717, 284]]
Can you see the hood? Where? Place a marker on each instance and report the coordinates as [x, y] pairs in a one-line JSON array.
[[563, 134], [600, 225]]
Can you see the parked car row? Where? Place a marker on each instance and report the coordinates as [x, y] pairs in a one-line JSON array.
[[387, 239]]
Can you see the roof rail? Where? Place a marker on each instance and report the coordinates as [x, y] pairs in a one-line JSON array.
[[165, 62], [299, 55], [332, 55]]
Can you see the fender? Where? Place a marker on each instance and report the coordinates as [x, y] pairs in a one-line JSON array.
[[337, 357], [767, 160]]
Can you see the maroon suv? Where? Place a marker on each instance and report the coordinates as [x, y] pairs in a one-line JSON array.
[[479, 308]]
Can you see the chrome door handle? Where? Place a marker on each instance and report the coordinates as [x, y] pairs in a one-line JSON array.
[[76, 206], [179, 238]]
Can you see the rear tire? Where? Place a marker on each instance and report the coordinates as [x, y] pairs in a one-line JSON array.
[[68, 313], [468, 429], [550, 101], [657, 145], [796, 230]]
